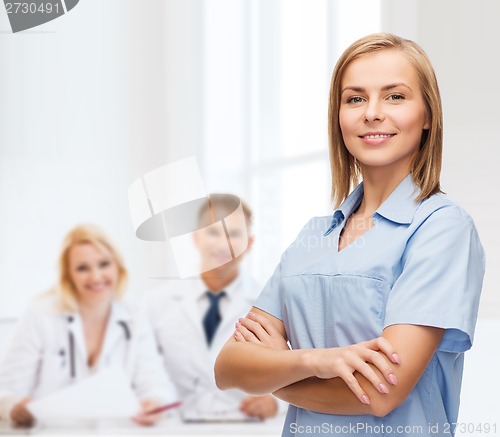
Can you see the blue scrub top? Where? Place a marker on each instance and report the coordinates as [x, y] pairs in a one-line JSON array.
[[421, 264]]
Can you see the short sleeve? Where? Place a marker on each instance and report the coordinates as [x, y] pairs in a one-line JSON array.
[[441, 279], [269, 299]]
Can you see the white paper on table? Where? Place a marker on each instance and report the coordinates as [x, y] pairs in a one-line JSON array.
[[107, 394]]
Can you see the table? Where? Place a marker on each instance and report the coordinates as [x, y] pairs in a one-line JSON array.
[[171, 427]]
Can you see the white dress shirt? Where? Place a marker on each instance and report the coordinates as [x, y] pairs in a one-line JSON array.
[[176, 310]]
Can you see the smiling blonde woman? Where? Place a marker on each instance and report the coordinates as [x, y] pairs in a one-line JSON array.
[[80, 328], [379, 313]]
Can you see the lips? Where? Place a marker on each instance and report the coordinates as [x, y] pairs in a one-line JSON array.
[[97, 288], [376, 138]]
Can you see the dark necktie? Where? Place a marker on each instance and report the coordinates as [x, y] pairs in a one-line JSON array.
[[212, 316]]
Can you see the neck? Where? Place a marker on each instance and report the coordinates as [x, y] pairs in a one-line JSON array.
[[216, 280], [378, 184], [94, 311]]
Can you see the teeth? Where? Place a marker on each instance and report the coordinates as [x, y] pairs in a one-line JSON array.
[[377, 136]]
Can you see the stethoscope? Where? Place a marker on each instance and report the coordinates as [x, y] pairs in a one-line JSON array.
[[71, 344]]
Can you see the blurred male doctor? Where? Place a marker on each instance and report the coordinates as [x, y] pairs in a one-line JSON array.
[[193, 318]]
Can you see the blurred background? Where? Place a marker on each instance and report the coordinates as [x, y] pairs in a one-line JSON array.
[[114, 89]]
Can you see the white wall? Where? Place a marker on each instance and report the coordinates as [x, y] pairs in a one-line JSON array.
[[90, 102]]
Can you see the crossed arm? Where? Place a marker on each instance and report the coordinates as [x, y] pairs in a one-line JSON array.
[[366, 378]]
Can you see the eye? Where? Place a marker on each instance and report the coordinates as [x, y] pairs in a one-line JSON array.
[[355, 99], [104, 264], [236, 234], [82, 268], [213, 232], [396, 97]]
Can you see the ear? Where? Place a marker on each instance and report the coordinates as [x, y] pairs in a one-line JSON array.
[[251, 241]]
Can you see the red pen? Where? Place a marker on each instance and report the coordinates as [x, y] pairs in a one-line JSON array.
[[164, 408]]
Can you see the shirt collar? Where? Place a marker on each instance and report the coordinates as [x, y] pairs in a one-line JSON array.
[[231, 289], [119, 312], [399, 207], [347, 207]]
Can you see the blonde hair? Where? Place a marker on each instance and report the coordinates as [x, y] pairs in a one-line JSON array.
[[426, 166], [85, 234]]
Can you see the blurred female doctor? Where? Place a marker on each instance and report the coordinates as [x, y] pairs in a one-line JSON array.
[[79, 328]]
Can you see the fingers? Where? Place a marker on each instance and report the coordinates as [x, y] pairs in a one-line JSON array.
[[20, 414], [374, 357], [383, 366], [367, 358], [23, 421], [256, 328], [353, 359], [265, 323], [384, 346], [253, 327], [145, 419], [245, 333], [371, 376], [358, 357], [250, 331], [353, 384], [238, 336]]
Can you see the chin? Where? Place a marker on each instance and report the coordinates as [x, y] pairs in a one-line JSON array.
[[381, 162]]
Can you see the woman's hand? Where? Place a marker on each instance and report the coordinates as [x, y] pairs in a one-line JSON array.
[[262, 407], [21, 416], [329, 363], [259, 330], [145, 419], [343, 362]]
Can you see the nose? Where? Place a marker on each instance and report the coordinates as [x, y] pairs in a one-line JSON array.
[[95, 274], [373, 111]]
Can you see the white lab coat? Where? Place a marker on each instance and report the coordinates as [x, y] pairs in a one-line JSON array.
[[37, 362], [174, 312]]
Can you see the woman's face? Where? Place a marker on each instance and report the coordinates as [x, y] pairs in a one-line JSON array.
[[94, 273], [382, 113]]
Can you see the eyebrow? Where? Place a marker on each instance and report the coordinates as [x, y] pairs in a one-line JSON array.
[[359, 89]]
